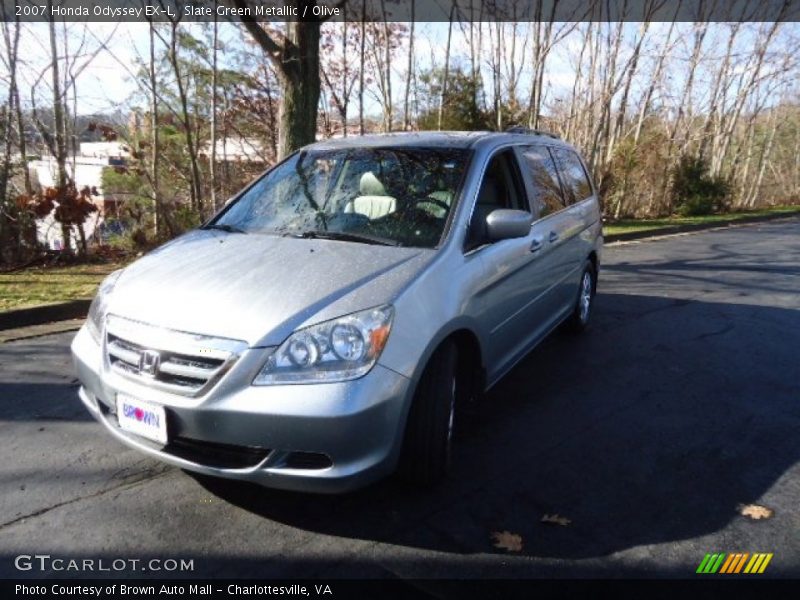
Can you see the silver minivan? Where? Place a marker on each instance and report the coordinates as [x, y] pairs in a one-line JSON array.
[[322, 330]]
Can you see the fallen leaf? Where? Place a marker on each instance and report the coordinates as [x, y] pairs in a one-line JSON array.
[[508, 541], [556, 519], [755, 511]]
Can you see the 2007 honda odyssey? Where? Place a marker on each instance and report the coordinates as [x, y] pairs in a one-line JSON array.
[[320, 330]]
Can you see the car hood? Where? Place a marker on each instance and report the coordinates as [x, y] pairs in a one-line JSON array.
[[259, 288]]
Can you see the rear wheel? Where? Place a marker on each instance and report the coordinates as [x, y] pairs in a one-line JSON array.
[[578, 321], [428, 440]]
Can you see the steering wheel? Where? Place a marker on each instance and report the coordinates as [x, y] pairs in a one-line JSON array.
[[429, 200]]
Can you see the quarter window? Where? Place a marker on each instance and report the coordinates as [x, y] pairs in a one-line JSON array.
[[546, 188], [573, 175]]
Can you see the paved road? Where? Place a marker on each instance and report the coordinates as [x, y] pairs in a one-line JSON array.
[[680, 404]]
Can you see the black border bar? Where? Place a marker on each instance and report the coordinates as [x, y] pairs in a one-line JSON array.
[[403, 10], [701, 586]]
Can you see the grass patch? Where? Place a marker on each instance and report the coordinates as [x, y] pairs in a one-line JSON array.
[[41, 285], [636, 225], [37, 286]]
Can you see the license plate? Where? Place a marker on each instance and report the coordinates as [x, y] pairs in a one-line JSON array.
[[142, 418]]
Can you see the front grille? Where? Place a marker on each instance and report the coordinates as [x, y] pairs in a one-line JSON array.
[[175, 370], [175, 361], [212, 454]]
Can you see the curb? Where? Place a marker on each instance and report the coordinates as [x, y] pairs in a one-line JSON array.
[[651, 233], [37, 331], [24, 317], [78, 309]]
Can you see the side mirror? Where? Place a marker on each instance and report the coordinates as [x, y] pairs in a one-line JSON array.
[[505, 224]]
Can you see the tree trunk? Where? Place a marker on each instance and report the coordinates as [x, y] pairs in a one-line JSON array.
[[191, 148], [446, 68], [12, 46], [361, 67], [301, 88], [155, 151], [296, 60], [345, 88], [212, 166], [409, 72], [60, 128], [388, 107], [763, 160]]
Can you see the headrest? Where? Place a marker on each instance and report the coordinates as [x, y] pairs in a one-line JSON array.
[[370, 185], [490, 192]]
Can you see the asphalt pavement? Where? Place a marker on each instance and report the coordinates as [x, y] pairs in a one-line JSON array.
[[646, 436]]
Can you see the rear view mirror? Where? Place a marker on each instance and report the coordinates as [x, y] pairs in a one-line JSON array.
[[505, 223]]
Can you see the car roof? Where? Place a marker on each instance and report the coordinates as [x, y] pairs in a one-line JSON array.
[[438, 139]]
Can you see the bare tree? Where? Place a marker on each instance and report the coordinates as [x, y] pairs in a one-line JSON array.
[[295, 54], [446, 65], [212, 165], [545, 37], [155, 139], [59, 146], [9, 110], [172, 44], [409, 68]]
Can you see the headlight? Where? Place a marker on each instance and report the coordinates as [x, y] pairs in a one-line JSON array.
[[337, 350], [97, 309]]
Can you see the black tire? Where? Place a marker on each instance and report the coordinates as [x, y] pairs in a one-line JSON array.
[[581, 315], [427, 444]]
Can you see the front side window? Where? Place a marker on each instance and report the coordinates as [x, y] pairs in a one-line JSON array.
[[576, 183], [544, 177], [396, 196], [500, 188]]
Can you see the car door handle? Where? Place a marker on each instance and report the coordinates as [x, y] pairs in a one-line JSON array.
[[536, 244], [553, 237]]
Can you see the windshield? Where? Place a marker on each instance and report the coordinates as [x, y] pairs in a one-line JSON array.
[[398, 196]]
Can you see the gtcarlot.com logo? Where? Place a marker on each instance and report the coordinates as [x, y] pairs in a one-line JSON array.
[[46, 562], [734, 563]]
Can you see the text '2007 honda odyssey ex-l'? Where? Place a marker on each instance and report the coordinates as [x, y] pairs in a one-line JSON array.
[[318, 332]]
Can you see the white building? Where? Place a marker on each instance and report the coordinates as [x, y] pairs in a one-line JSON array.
[[87, 171], [237, 150]]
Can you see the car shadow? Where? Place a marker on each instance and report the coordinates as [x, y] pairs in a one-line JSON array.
[[652, 427]]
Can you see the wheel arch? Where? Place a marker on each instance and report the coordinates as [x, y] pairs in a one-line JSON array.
[[471, 361]]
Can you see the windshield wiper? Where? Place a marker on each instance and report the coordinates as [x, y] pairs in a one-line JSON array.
[[224, 227], [345, 237]]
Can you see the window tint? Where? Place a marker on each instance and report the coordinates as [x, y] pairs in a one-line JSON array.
[[576, 183], [546, 189]]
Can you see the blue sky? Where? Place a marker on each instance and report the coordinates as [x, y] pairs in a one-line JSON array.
[[104, 84]]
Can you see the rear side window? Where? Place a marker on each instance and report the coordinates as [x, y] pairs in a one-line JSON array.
[[546, 188], [573, 175]]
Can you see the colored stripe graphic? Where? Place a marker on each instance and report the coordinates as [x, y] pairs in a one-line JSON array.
[[703, 563], [758, 563], [765, 563], [729, 562], [710, 563], [717, 563], [752, 563], [733, 563], [741, 562]]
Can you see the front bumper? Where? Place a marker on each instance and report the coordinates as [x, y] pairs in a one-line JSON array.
[[357, 425]]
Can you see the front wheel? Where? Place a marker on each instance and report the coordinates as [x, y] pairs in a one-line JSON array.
[[578, 321], [428, 440]]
